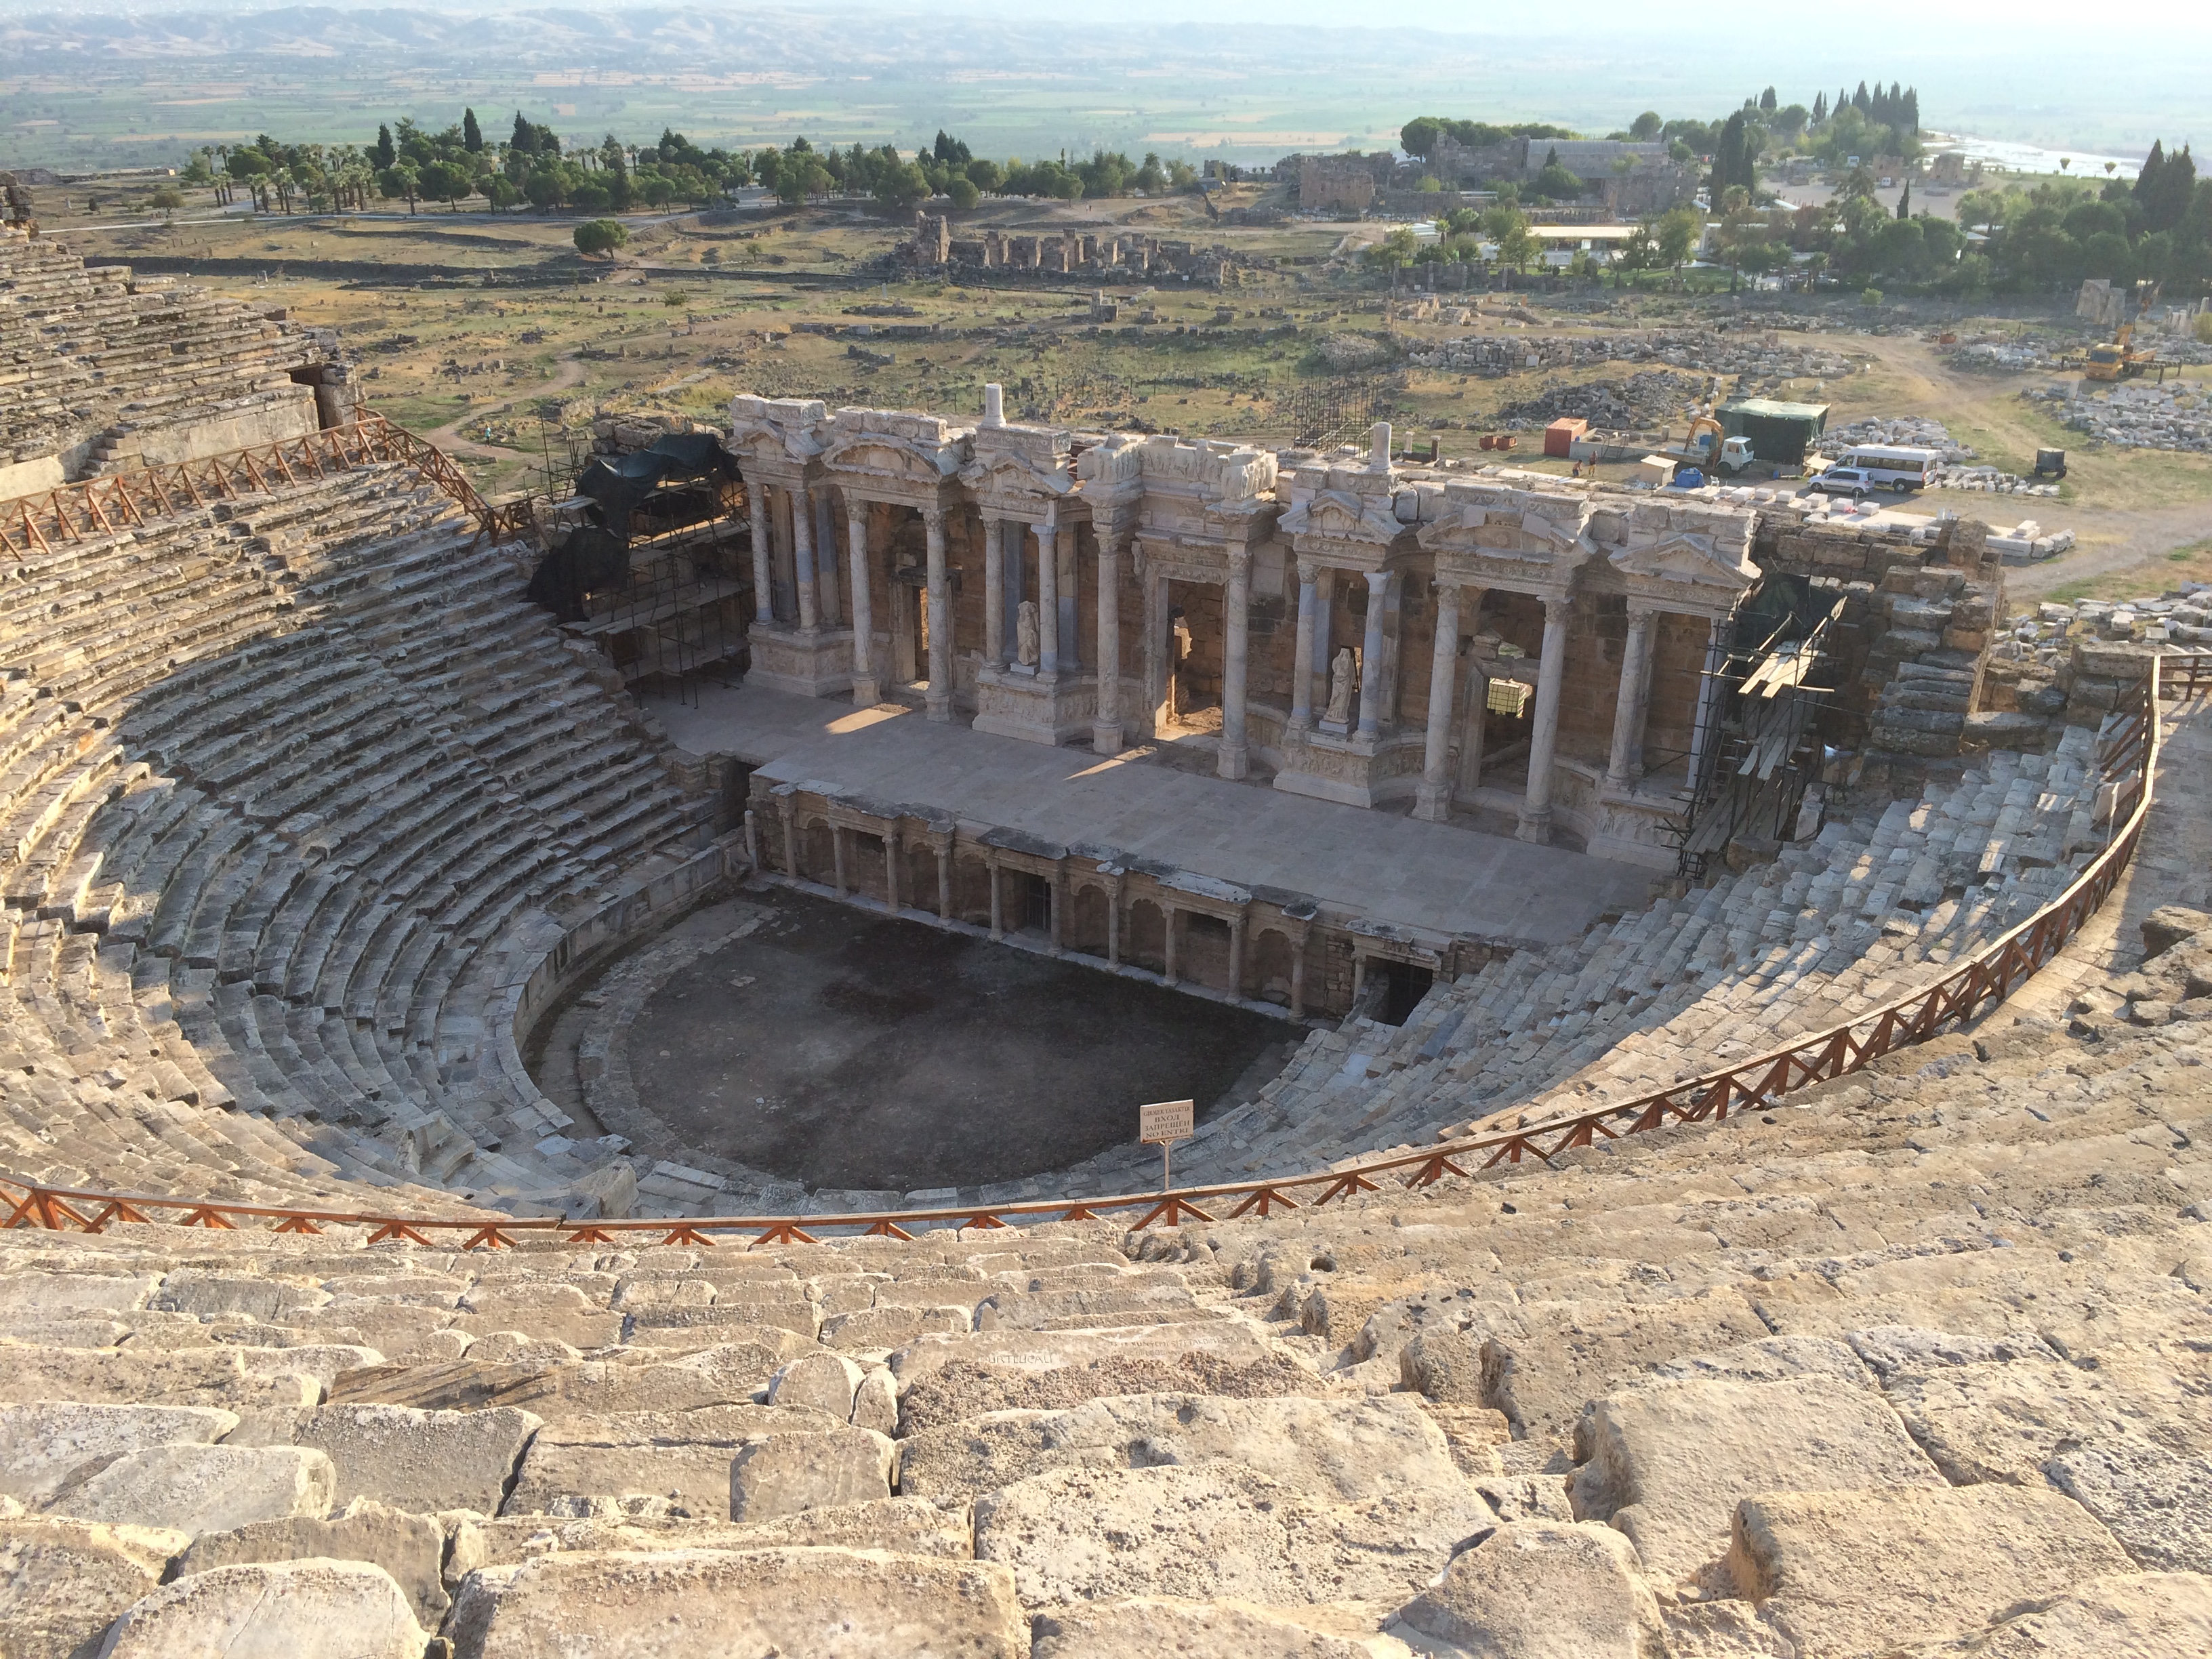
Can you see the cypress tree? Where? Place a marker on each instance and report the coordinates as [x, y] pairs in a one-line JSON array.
[[384, 152], [1904, 201], [472, 134], [1819, 108], [1861, 102], [526, 136]]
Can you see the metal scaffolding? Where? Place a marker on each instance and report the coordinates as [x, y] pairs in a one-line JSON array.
[[1755, 750]]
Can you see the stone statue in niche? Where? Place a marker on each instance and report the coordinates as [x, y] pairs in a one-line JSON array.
[[1026, 635], [1340, 676]]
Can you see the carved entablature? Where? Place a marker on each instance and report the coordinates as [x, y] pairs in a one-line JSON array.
[[1021, 471], [778, 441], [1521, 541], [1694, 560], [886, 455], [1352, 518], [1203, 498]]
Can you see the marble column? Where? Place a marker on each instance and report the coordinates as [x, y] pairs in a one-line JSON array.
[[1535, 823], [1106, 728], [997, 900], [1432, 799], [763, 572], [802, 553], [1302, 667], [995, 594], [938, 699], [1232, 759], [1237, 955], [1298, 975], [1172, 917], [1114, 922], [866, 690], [1370, 661], [1155, 590], [1626, 764], [838, 835], [1070, 637], [1047, 599], [891, 869], [941, 843], [825, 571], [1708, 689], [790, 839]]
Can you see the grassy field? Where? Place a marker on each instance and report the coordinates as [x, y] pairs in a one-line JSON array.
[[489, 335]]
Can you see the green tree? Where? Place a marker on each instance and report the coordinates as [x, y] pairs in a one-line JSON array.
[[1397, 248], [1677, 234], [384, 155], [597, 236], [901, 187], [1645, 127], [986, 175], [400, 180], [961, 189], [1418, 136], [165, 200], [446, 182], [472, 134]]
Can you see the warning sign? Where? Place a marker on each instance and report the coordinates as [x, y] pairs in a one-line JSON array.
[[1164, 1122]]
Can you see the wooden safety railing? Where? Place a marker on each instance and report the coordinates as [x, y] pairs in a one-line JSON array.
[[100, 507], [2130, 741]]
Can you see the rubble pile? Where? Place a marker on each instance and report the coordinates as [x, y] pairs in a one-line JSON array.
[[2140, 417], [1912, 431], [1649, 399], [1758, 357], [2001, 356]]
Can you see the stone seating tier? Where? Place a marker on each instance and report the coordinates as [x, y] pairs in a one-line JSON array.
[[90, 362], [1914, 1365], [281, 782]]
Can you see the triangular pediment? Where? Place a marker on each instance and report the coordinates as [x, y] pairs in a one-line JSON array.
[[1685, 558], [1338, 515]]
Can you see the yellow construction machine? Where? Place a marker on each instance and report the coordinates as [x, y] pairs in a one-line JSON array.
[[2122, 359]]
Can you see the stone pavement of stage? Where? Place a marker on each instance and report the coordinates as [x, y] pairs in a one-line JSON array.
[[1376, 864]]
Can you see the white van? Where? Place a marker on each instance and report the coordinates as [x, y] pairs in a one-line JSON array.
[[1886, 465]]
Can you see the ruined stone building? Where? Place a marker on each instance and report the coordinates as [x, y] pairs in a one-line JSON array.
[[1124, 256], [1055, 585]]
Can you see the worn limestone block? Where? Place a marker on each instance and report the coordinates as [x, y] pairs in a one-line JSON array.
[[875, 1402], [1087, 1307], [1572, 1352], [1054, 1371], [197, 1489], [1667, 1462], [877, 1330], [1472, 1434], [1215, 1532], [1538, 1589], [62, 1582], [2156, 1503], [1147, 1627], [2149, 1615], [1337, 1450], [824, 1380], [710, 1604], [418, 1460], [409, 1547], [2002, 1421], [903, 1526], [788, 1473], [722, 1373], [274, 1301], [1525, 1497], [34, 1296], [2169, 924], [1829, 1570], [683, 1456], [43, 1446], [184, 1376], [1773, 1359], [297, 1609]]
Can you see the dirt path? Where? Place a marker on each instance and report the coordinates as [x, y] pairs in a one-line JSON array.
[[568, 373], [2111, 540]]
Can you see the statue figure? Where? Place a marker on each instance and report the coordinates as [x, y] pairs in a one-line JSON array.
[[1025, 634], [1340, 673]]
